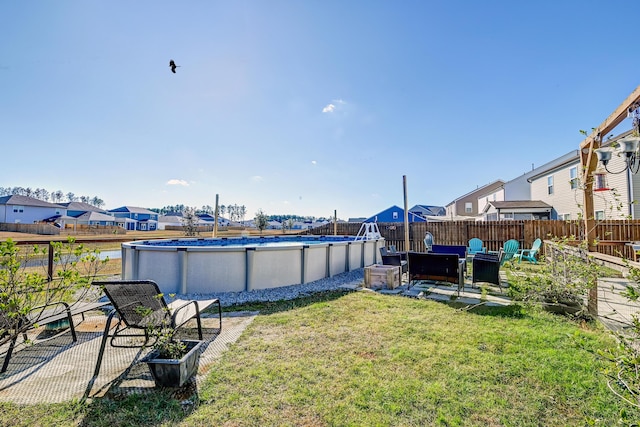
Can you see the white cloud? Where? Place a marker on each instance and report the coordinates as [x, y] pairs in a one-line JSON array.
[[178, 182], [257, 178], [313, 162], [329, 108], [334, 106]]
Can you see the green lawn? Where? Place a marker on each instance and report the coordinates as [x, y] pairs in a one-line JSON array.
[[365, 359]]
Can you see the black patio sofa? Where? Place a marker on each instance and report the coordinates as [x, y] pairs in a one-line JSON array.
[[436, 267]]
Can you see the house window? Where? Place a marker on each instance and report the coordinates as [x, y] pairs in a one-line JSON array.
[[573, 173], [17, 209], [564, 217], [599, 215], [507, 215], [395, 215], [468, 207], [550, 185]]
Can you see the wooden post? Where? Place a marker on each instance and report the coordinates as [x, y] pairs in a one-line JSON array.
[[406, 216], [589, 163], [50, 263], [215, 216]]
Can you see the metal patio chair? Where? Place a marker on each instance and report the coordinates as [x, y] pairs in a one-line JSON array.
[[42, 315], [140, 306]]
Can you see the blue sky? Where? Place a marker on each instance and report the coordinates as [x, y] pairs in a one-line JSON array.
[[302, 107]]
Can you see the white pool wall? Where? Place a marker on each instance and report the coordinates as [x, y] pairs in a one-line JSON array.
[[187, 269]]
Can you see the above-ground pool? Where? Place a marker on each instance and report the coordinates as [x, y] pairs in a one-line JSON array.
[[189, 266]]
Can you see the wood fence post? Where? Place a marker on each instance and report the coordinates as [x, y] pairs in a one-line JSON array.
[[50, 263]]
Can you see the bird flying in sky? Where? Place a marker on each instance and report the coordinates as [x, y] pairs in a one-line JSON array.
[[173, 66]]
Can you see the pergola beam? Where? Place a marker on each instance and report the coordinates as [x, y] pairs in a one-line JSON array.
[[589, 161]]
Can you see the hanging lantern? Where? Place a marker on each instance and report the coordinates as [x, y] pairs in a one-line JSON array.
[[600, 181]]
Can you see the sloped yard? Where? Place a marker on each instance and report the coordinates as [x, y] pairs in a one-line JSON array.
[[368, 359]]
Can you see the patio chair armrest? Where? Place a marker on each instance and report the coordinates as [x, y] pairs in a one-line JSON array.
[[186, 318], [37, 319]]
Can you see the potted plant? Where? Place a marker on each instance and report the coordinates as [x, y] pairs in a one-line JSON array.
[[173, 364], [172, 361]]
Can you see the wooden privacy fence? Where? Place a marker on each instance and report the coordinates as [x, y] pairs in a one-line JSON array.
[[45, 229], [612, 235]]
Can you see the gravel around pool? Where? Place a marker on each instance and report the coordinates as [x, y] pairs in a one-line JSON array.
[[355, 277]]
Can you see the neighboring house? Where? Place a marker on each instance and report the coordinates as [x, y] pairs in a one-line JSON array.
[[94, 218], [126, 223], [558, 184], [428, 210], [517, 209], [394, 214], [467, 205], [274, 225], [142, 219], [520, 188], [171, 220], [207, 218], [301, 225], [75, 209], [27, 210]]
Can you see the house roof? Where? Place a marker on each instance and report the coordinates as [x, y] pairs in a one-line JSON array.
[[521, 204], [95, 216], [81, 206], [497, 182], [430, 210], [133, 209], [17, 199], [560, 162], [118, 220], [445, 218], [170, 218], [57, 218], [387, 214]]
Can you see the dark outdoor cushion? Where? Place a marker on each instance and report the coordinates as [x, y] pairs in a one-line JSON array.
[[395, 259], [459, 250]]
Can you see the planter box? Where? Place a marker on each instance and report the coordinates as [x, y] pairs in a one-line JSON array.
[[175, 372], [563, 308], [382, 276]]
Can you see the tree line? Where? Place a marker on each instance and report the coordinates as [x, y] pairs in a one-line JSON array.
[[57, 196], [233, 212]]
